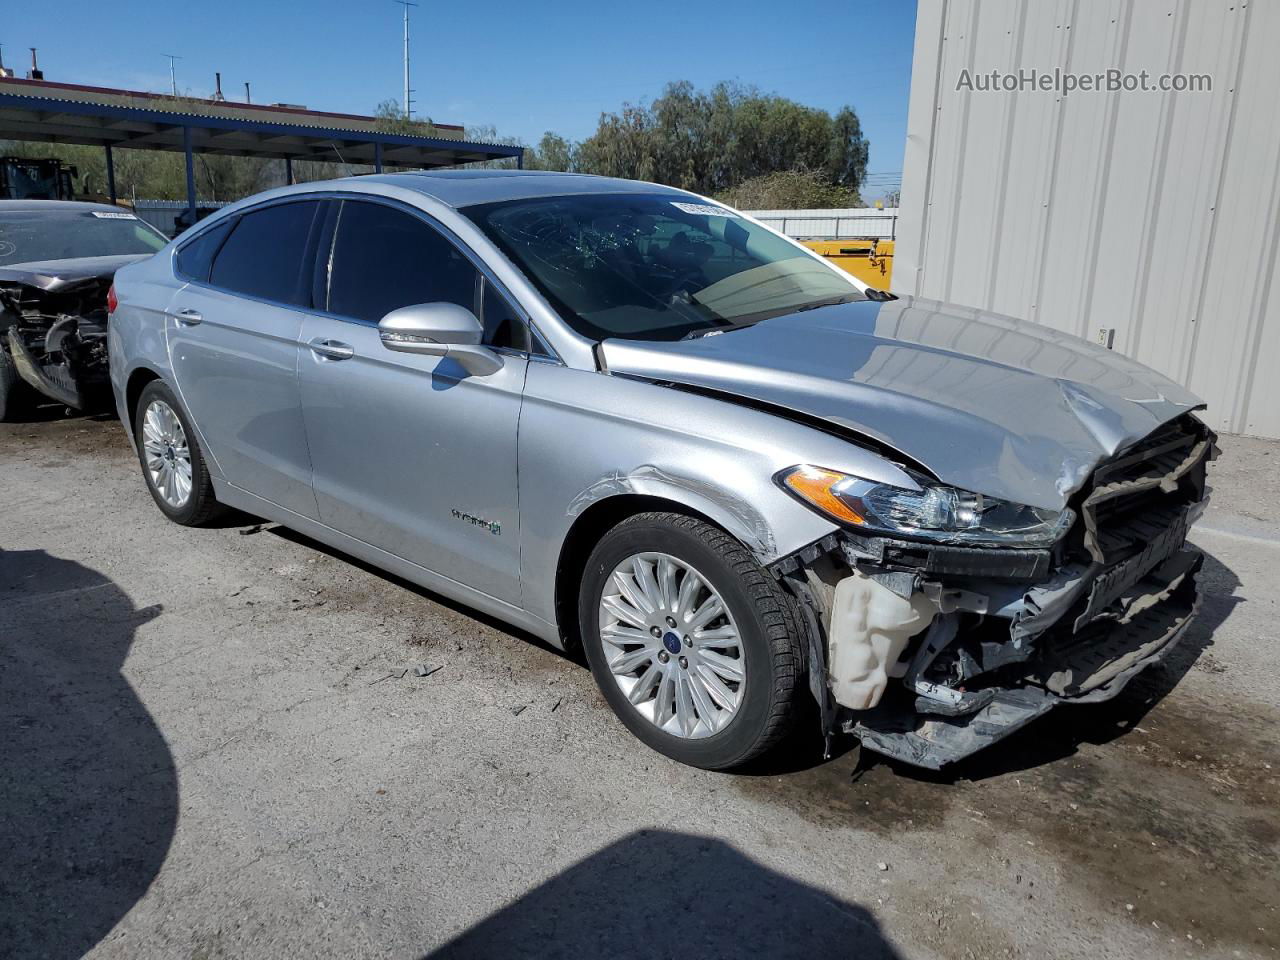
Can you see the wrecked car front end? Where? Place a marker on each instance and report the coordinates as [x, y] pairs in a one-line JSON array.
[[1033, 550], [929, 651], [53, 318], [57, 262]]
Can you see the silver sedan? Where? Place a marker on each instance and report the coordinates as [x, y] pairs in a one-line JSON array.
[[643, 426]]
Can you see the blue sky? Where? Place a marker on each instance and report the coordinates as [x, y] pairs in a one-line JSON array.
[[522, 67]]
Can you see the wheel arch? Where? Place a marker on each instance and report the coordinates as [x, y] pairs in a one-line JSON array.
[[134, 386], [601, 516]]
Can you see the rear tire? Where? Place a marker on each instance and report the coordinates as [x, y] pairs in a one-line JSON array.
[[680, 697], [173, 464]]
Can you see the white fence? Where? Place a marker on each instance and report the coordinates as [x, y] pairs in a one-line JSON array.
[[832, 224], [163, 214]]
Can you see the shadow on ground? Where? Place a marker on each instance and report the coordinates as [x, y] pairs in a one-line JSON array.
[[657, 894], [88, 786], [285, 533]]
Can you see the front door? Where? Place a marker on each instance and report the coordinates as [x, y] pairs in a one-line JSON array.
[[410, 453]]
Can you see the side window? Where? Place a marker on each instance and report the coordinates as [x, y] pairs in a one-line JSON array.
[[196, 257], [384, 259], [264, 255], [503, 326]]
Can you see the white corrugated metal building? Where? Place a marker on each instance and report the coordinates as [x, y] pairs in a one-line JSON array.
[[1151, 218]]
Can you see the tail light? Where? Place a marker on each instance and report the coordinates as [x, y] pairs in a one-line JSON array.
[[112, 301]]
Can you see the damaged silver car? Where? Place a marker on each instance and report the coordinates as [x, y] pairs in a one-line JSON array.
[[57, 259], [640, 424]]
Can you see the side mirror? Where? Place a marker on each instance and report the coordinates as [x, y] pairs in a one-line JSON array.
[[440, 330]]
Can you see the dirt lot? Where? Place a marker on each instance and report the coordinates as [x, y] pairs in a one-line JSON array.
[[209, 751]]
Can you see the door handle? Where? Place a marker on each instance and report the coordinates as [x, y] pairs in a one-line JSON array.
[[331, 349], [189, 317]]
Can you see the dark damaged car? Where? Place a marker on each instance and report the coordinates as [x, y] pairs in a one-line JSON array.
[[636, 422], [57, 261]]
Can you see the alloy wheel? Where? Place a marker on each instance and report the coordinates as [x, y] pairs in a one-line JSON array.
[[168, 457], [672, 645]]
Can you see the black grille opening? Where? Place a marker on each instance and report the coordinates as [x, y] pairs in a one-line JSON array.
[[1143, 490]]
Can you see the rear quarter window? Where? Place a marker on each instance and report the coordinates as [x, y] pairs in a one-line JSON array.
[[195, 258]]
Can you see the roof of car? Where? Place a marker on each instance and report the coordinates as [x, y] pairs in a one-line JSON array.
[[463, 188], [54, 206]]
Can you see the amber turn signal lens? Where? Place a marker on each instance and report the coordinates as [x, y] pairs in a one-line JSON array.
[[815, 485]]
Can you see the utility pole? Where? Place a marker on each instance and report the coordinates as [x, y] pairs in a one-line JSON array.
[[173, 79], [408, 93]]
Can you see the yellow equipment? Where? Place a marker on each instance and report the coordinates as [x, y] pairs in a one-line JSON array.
[[871, 261]]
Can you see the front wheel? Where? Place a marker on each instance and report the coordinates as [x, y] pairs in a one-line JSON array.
[[692, 643]]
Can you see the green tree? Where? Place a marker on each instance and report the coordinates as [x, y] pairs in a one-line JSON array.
[[790, 190], [553, 152], [712, 141], [389, 118]]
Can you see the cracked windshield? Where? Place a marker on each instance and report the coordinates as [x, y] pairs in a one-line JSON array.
[[657, 267]]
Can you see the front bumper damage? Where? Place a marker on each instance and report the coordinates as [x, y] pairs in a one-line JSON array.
[[55, 331], [929, 653]]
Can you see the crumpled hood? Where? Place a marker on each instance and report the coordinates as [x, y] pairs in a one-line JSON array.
[[988, 403], [53, 276]]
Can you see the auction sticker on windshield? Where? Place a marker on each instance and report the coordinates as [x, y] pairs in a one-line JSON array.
[[704, 209], [103, 215]]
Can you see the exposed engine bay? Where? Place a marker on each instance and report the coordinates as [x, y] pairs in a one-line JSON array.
[[54, 327], [930, 652]]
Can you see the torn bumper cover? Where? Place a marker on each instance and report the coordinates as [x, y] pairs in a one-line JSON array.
[[1085, 667], [933, 652]]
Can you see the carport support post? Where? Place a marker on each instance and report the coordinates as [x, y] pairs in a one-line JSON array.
[[288, 170], [111, 176], [520, 160], [191, 174], [377, 158]]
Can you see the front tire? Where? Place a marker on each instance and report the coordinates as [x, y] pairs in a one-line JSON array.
[[172, 462], [695, 647]]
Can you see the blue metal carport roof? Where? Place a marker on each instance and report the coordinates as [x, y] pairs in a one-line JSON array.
[[76, 115]]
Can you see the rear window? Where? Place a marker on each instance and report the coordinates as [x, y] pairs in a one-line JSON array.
[[264, 255]]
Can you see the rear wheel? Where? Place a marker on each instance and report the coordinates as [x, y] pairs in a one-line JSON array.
[[172, 461], [694, 646]]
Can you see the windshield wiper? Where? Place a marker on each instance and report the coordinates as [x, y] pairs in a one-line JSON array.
[[829, 302], [726, 328], [751, 319]]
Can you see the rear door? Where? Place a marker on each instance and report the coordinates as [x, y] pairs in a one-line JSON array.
[[233, 341], [411, 453]]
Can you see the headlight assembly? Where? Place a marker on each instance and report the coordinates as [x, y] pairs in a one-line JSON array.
[[935, 512]]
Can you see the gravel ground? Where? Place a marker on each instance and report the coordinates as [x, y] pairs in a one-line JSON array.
[[211, 749]]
